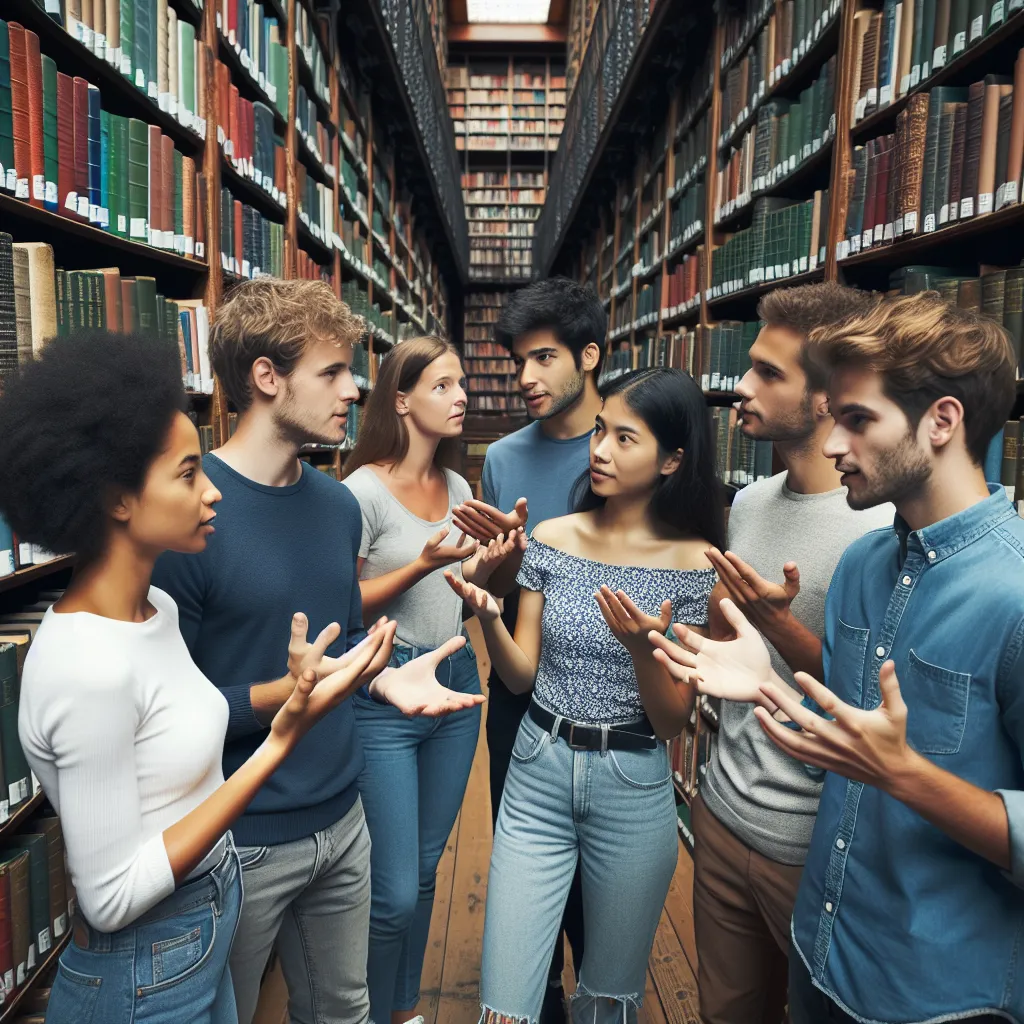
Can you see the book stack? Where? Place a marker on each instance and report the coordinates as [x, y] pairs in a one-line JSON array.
[[258, 41], [785, 239], [957, 153], [72, 157], [900, 46], [687, 219], [49, 301], [484, 359], [250, 245]]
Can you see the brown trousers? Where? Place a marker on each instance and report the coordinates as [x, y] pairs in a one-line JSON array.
[[742, 906]]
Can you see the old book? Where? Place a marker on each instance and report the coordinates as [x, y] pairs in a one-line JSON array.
[[155, 192], [1002, 168], [112, 298], [16, 769], [67, 197], [1015, 156], [17, 868], [7, 976], [19, 108], [956, 166], [972, 154], [908, 211], [906, 52], [8, 316], [138, 180], [42, 295], [1013, 314], [927, 35], [993, 294], [968, 295], [167, 192], [995, 88], [95, 158], [37, 163], [162, 56], [49, 826], [936, 158], [51, 144], [940, 38], [80, 168], [976, 21], [41, 937], [959, 26], [22, 306], [143, 45], [172, 60], [1011, 444]]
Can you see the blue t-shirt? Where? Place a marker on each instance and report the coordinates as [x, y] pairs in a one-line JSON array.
[[276, 551]]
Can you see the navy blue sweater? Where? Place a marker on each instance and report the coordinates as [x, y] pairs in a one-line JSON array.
[[276, 551]]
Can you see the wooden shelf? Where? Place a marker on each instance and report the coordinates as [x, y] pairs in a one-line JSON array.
[[248, 87], [747, 295], [10, 1008], [34, 572], [21, 814], [312, 246], [249, 192]]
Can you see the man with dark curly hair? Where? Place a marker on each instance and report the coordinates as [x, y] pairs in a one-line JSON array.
[[288, 540]]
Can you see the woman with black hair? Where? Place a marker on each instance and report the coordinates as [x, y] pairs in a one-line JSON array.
[[590, 775], [123, 731]]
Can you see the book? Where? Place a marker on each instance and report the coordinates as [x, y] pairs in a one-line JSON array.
[[14, 866], [8, 312]]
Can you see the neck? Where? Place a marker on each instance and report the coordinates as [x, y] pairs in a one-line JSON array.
[[626, 514], [951, 489], [115, 586], [418, 461], [260, 452], [579, 418], [808, 471]]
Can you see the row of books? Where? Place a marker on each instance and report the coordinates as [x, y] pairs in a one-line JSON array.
[[690, 154], [118, 173], [511, 143], [315, 133], [682, 285], [499, 383], [250, 244], [504, 180], [687, 218], [39, 301], [511, 404], [1012, 469], [473, 366], [956, 153], [787, 35], [147, 43], [784, 239], [308, 45], [259, 42], [317, 207], [786, 134], [249, 139], [489, 226], [740, 460], [898, 47], [357, 296]]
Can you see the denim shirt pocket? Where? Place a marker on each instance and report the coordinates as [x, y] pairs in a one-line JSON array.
[[937, 700], [849, 653]]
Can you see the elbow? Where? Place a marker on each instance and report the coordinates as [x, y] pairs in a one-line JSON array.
[[666, 731], [110, 915]]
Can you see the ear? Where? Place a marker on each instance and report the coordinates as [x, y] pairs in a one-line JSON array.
[[401, 403], [942, 421], [819, 404], [120, 511], [591, 356], [672, 463], [265, 377]]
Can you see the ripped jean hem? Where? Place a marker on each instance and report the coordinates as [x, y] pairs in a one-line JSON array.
[[586, 1007]]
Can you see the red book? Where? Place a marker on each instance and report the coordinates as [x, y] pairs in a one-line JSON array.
[[19, 108], [156, 185], [232, 26], [37, 168], [66, 144], [80, 168]]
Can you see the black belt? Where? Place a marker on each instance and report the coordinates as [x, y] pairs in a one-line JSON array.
[[631, 736]]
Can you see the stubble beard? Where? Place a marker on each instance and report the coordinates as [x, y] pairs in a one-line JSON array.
[[568, 397], [900, 473]]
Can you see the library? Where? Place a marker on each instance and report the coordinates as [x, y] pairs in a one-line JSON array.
[[532, 494]]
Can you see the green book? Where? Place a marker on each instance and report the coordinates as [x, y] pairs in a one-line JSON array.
[[127, 38], [98, 296], [110, 176], [34, 844], [105, 169], [121, 153], [978, 16], [61, 289], [152, 72], [138, 180], [6, 116], [16, 773], [927, 10], [1013, 310], [146, 299], [50, 158], [140, 51], [187, 65]]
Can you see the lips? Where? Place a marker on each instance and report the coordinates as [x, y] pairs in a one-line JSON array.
[[599, 474]]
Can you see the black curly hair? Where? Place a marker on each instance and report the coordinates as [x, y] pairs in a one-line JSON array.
[[79, 425]]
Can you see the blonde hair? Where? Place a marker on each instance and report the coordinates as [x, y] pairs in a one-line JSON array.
[[276, 320], [383, 434], [925, 349]]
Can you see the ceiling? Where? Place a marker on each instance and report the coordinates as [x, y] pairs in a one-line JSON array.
[[540, 19]]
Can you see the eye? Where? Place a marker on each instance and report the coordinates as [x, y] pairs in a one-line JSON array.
[[544, 358], [624, 439], [189, 475], [768, 373], [441, 388], [330, 374]]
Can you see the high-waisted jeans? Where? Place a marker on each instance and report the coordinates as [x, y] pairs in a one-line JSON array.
[[412, 788], [169, 966], [615, 812]]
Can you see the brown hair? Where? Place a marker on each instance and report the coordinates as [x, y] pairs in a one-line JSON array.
[[274, 319], [926, 349], [808, 307], [383, 434]]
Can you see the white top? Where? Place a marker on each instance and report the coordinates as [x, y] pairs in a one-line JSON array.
[[125, 735]]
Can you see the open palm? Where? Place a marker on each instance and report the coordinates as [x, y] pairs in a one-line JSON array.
[[732, 669], [414, 688], [303, 655], [482, 603], [629, 624]]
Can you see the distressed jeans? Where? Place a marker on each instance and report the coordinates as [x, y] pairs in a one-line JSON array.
[[615, 813]]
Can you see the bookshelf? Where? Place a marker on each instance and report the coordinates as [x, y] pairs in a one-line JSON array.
[[811, 146]]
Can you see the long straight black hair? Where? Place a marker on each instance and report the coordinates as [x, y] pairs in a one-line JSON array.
[[690, 500]]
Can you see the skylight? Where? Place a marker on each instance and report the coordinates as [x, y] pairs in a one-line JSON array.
[[516, 12]]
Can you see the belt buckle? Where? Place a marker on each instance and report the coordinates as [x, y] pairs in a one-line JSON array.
[[569, 742]]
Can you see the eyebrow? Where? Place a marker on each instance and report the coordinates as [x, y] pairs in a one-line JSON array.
[[851, 407], [189, 460], [617, 429], [341, 365], [765, 362], [534, 352]]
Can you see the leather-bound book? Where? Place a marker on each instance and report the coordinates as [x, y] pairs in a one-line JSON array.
[[200, 207], [112, 300], [42, 295], [162, 56], [985, 147], [22, 306], [177, 203], [188, 204], [172, 59], [143, 44], [19, 109], [993, 294], [1015, 155], [940, 37], [942, 101], [20, 913], [138, 180], [167, 191], [37, 163], [8, 316], [884, 215], [51, 146], [81, 165], [238, 230], [129, 305], [49, 826], [869, 66], [155, 181], [67, 198], [956, 165], [40, 935], [908, 210], [968, 295], [1003, 133], [906, 47], [959, 27], [7, 976], [6, 122], [1013, 314]]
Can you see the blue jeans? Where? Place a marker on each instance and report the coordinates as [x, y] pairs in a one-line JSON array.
[[615, 812], [412, 788], [169, 966]]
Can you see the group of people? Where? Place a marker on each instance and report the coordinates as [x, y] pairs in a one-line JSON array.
[[859, 837]]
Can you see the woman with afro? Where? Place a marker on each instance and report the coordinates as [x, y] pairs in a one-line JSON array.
[[125, 734]]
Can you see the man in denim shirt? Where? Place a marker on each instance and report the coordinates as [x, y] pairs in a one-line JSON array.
[[910, 907]]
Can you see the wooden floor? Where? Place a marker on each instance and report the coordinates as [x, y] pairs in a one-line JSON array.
[[450, 990]]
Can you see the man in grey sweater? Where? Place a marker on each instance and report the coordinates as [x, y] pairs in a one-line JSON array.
[[753, 819]]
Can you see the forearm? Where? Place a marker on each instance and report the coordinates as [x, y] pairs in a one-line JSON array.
[[503, 579], [188, 841], [381, 591], [268, 698], [974, 817], [517, 671], [668, 703]]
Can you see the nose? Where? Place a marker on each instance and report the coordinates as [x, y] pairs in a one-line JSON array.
[[211, 495], [527, 381], [601, 451], [836, 444], [743, 388]]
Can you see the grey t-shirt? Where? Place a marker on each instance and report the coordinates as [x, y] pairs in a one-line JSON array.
[[764, 797], [430, 612]]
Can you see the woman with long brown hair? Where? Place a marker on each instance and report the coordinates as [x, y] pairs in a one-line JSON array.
[[416, 769]]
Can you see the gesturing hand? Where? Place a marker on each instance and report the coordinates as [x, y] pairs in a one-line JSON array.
[[482, 603], [764, 604], [414, 688], [303, 655], [733, 669], [628, 624], [485, 522], [481, 566], [867, 746], [314, 694], [436, 554]]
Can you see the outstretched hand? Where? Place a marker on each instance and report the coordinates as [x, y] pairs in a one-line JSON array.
[[414, 688], [481, 566], [436, 554], [628, 624], [765, 604], [484, 522], [732, 669], [482, 603], [303, 655]]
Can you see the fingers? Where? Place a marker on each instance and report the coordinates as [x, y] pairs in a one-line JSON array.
[[748, 575], [522, 511], [476, 521], [737, 619], [458, 585], [437, 540], [693, 642], [792, 584], [300, 628], [678, 672], [604, 603], [822, 696], [797, 744], [730, 577], [446, 650], [673, 652], [318, 649], [786, 702], [892, 699]]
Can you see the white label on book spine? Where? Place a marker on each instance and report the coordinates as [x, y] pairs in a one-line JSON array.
[[944, 213], [83, 206], [38, 187], [164, 101], [179, 244], [889, 233], [126, 65], [114, 56], [803, 264], [44, 940], [231, 36], [915, 76], [910, 222], [99, 45], [877, 234], [853, 245], [50, 193], [786, 65], [263, 81], [1010, 189], [5, 805], [104, 217], [21, 188], [140, 78], [190, 246], [959, 42], [94, 213], [897, 227], [929, 223], [60, 926], [985, 203], [11, 180], [885, 97], [31, 956], [977, 28], [1015, 5], [904, 83], [138, 228], [996, 16], [122, 224], [246, 270], [967, 207], [87, 37], [14, 792]]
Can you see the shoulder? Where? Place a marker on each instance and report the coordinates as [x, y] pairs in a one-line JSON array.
[[513, 444], [759, 493], [73, 659], [560, 532], [362, 484], [689, 555]]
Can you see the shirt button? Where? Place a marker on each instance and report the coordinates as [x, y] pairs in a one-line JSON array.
[[906, 581], [841, 844], [828, 908], [931, 556], [880, 652]]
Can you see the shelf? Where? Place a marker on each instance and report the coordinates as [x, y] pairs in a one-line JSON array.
[[10, 826], [59, 231], [684, 247], [738, 49], [10, 1007], [248, 86], [309, 159], [870, 125], [312, 246], [120, 96], [306, 72], [188, 10], [683, 319], [276, 8], [248, 191], [746, 295]]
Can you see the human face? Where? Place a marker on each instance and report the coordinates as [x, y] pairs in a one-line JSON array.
[[174, 509], [625, 458], [880, 456], [775, 404], [436, 405], [548, 377], [312, 405]]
